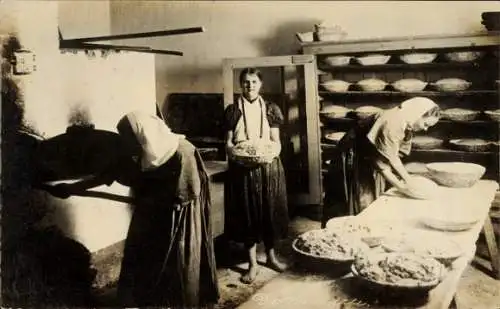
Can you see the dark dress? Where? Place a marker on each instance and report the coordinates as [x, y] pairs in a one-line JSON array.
[[354, 180], [168, 256], [256, 206]]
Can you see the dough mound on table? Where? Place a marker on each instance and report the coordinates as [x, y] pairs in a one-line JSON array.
[[422, 187]]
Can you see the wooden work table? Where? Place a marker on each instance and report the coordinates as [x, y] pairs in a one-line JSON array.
[[215, 171], [298, 289]]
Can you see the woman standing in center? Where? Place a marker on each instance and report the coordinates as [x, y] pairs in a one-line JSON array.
[[256, 200]]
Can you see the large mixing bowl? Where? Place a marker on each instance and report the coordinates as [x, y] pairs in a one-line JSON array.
[[455, 174]]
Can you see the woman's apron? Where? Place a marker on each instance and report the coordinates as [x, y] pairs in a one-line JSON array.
[[253, 123], [353, 183]]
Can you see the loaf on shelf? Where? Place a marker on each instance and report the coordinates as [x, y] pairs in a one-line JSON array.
[[334, 111], [409, 85], [336, 85], [371, 84], [451, 84], [418, 58], [470, 144], [334, 137], [460, 114], [493, 115], [495, 146], [364, 112], [373, 59], [426, 142], [339, 60], [463, 56]]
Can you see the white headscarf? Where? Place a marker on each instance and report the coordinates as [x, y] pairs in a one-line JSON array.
[[397, 120], [157, 141], [413, 109]]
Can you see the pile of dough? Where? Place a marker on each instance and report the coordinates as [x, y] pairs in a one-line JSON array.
[[420, 187]]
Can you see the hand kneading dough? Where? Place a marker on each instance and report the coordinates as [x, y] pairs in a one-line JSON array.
[[421, 188]]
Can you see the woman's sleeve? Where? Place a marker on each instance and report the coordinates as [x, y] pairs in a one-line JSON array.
[[126, 172], [389, 139], [121, 167], [274, 115], [231, 117]]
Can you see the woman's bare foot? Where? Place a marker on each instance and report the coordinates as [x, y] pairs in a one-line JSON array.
[[250, 275], [275, 265]]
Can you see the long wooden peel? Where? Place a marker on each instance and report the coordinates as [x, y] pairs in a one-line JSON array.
[[83, 43], [137, 35], [141, 49]]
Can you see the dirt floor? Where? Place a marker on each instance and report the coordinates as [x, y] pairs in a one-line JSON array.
[[477, 290], [233, 292]]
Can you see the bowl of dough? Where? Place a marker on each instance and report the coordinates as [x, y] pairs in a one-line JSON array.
[[398, 271], [334, 137], [493, 114], [371, 84], [371, 232], [373, 59], [418, 58], [433, 245], [337, 61], [336, 85], [334, 111], [463, 56], [451, 84], [426, 142], [455, 174], [321, 249], [454, 214], [254, 152], [364, 112], [409, 85], [460, 114], [470, 144]]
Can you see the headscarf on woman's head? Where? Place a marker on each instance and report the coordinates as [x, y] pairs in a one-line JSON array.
[[389, 133], [413, 109], [157, 141]]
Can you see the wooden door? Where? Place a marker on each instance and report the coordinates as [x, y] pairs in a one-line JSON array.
[[298, 98]]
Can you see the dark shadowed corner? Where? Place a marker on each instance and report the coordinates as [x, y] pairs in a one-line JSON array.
[[39, 264]]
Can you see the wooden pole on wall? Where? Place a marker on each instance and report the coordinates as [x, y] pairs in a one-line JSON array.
[[137, 35]]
